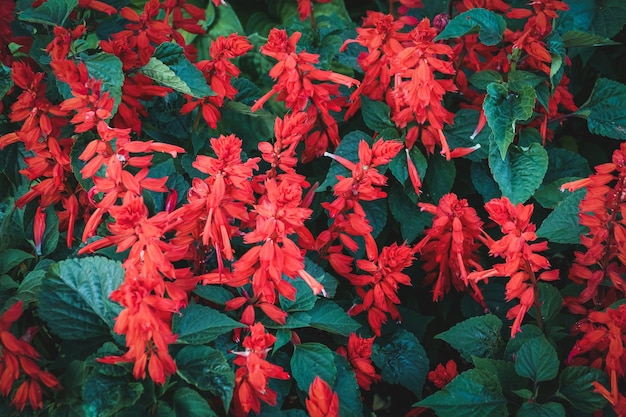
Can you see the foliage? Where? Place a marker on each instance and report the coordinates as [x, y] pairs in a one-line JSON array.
[[312, 207]]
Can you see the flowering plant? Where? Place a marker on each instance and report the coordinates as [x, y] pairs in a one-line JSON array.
[[324, 208]]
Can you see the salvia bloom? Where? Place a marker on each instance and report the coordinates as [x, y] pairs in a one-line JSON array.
[[322, 401], [442, 375], [359, 354]]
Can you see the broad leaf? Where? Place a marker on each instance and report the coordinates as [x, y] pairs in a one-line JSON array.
[[521, 172], [207, 369], [503, 110], [477, 336], [328, 316], [108, 68], [403, 361], [189, 403], [551, 302], [347, 389], [604, 110], [349, 149], [575, 385], [564, 163], [473, 393], [74, 298], [305, 300], [197, 324], [537, 359], [310, 360], [562, 225], [6, 81], [601, 17], [576, 38], [534, 409], [411, 219], [376, 213], [440, 176], [482, 79], [52, 12], [461, 134], [10, 258], [504, 371], [376, 114], [105, 396], [489, 25], [398, 165], [214, 293]]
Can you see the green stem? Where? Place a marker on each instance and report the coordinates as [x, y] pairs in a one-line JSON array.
[[537, 302]]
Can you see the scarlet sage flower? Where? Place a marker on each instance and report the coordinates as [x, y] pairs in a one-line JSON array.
[[450, 247], [18, 362], [441, 376], [522, 260], [59, 48], [254, 372], [359, 354], [305, 7], [322, 401], [601, 211]]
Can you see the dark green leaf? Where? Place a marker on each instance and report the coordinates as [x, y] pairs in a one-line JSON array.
[[483, 181], [10, 258], [461, 134], [197, 324], [534, 409], [521, 172], [503, 110], [575, 385], [398, 165], [576, 38], [310, 360], [328, 316], [349, 149], [376, 114], [601, 17], [403, 361], [376, 212], [504, 371], [305, 300], [105, 396], [52, 12], [537, 359], [207, 369], [74, 298], [604, 110], [528, 332], [518, 79], [563, 163], [329, 282], [411, 219], [482, 79], [562, 225], [439, 176], [214, 293], [6, 81], [347, 389], [551, 302], [489, 25], [473, 393], [477, 336], [51, 235], [188, 403], [549, 195], [30, 287], [108, 68]]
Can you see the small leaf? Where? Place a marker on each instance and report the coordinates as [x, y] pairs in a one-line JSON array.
[[576, 38], [473, 393], [6, 81], [490, 26], [328, 316], [347, 389], [477, 336], [537, 359], [575, 385], [207, 369], [534, 409], [10, 258], [74, 297], [604, 109], [403, 361], [197, 324], [521, 172], [310, 360], [376, 114], [562, 225], [108, 68], [52, 12], [503, 110]]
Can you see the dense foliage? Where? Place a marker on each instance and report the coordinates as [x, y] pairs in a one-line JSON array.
[[324, 208]]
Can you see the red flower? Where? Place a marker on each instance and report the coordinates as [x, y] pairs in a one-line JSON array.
[[254, 372], [441, 376], [359, 353], [322, 401]]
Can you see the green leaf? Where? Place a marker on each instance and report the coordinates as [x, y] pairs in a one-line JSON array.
[[440, 176], [347, 389], [575, 385], [189, 403], [562, 225], [482, 79], [105, 396], [403, 361], [521, 172], [576, 38], [207, 369], [349, 149], [604, 110], [214, 293], [602, 17], [549, 195], [537, 359], [518, 79], [197, 324], [477, 336], [473, 393], [74, 297], [398, 165], [504, 110], [563, 163], [504, 371], [10, 258], [461, 134], [376, 114], [51, 235], [305, 300], [551, 302], [6, 81], [328, 316], [310, 360], [329, 282], [52, 12], [483, 181], [534, 409], [411, 219], [169, 67], [376, 213], [30, 287], [489, 25], [108, 68], [529, 331]]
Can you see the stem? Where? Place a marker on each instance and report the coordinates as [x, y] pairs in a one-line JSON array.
[[391, 8], [313, 23], [561, 117], [537, 302], [196, 121]]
